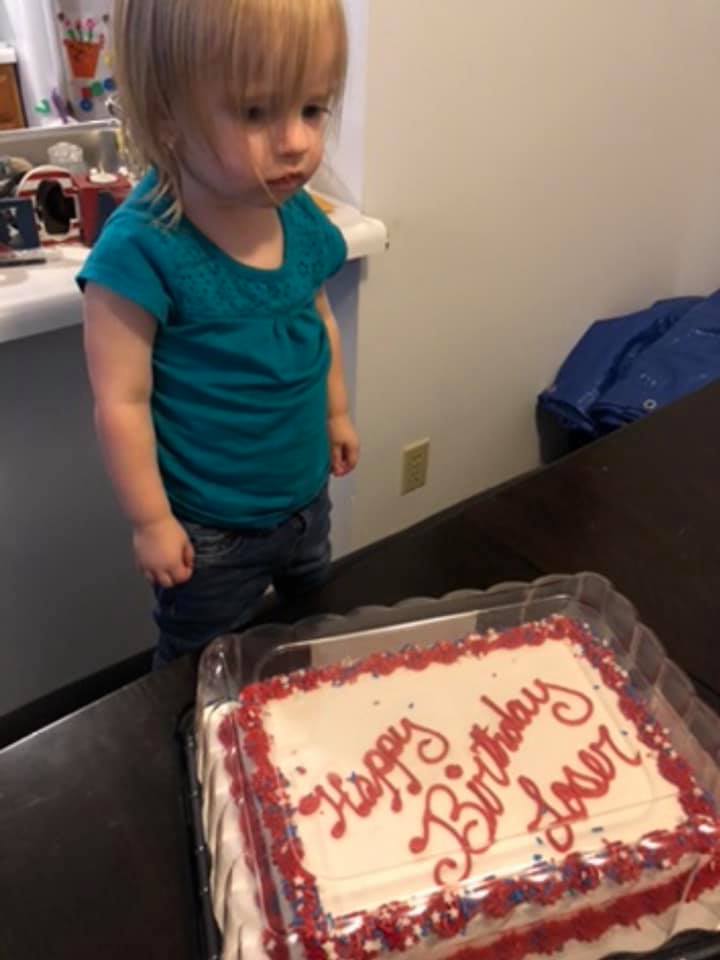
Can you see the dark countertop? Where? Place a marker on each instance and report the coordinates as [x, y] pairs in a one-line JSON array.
[[95, 861]]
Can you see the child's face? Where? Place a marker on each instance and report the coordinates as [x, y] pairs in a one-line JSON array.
[[263, 155]]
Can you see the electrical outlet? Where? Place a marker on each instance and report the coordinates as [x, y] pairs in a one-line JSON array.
[[415, 462]]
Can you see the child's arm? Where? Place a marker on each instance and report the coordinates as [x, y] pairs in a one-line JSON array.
[[118, 345], [345, 446]]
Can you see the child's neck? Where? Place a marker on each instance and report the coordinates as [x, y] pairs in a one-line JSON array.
[[252, 235]]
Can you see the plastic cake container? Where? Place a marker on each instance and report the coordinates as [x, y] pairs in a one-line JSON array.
[[233, 662]]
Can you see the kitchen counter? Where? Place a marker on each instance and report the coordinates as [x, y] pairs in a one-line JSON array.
[[7, 54], [43, 297]]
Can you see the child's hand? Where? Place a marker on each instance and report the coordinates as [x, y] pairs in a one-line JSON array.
[[344, 445], [163, 552]]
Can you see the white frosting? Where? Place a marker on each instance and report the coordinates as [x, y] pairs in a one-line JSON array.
[[333, 728], [209, 747], [371, 863]]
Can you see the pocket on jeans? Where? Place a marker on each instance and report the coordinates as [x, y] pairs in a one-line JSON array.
[[211, 544]]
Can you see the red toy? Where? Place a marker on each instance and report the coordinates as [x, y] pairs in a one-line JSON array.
[[99, 195]]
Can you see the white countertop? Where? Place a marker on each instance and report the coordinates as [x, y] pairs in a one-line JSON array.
[[44, 297]]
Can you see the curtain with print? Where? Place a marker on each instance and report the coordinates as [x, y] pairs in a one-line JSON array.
[[64, 57], [40, 63], [84, 34]]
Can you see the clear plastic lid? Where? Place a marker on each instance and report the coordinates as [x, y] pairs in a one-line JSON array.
[[468, 768]]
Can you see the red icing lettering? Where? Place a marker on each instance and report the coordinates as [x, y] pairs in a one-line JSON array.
[[472, 824], [490, 803], [434, 747], [360, 793], [605, 740], [462, 822], [516, 716], [310, 804], [575, 789], [484, 742], [367, 792], [559, 825], [384, 759], [485, 748], [562, 711]]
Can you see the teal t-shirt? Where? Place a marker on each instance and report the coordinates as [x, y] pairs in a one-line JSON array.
[[240, 359]]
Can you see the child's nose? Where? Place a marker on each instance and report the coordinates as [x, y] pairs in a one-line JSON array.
[[292, 136]]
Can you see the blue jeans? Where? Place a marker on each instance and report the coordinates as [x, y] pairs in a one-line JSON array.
[[232, 571]]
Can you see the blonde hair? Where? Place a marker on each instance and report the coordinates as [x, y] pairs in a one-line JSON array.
[[167, 50]]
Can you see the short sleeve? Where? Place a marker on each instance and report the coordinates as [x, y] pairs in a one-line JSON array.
[[123, 263], [331, 241]]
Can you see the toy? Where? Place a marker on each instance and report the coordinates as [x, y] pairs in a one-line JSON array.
[[99, 196], [53, 193], [19, 239]]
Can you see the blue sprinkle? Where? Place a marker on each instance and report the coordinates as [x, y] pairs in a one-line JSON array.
[[598, 829], [540, 841], [517, 896], [538, 857], [490, 876]]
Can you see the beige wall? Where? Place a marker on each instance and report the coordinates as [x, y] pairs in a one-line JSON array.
[[540, 163]]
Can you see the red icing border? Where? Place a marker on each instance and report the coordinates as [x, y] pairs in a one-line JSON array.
[[448, 913]]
